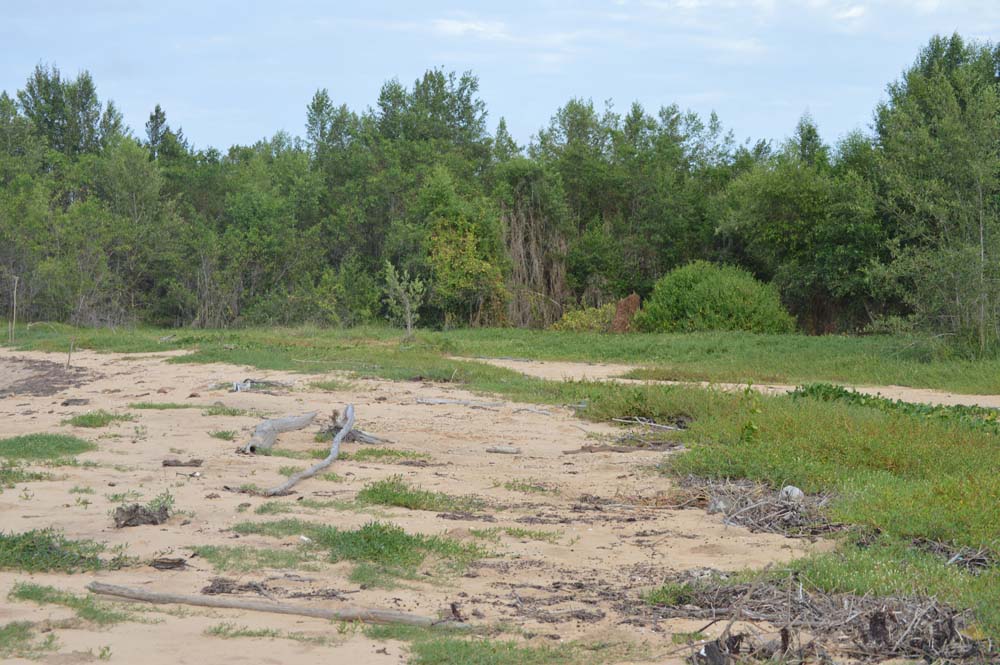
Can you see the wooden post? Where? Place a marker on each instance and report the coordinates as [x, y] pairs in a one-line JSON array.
[[13, 314]]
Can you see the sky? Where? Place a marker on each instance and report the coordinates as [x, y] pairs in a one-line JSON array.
[[236, 72]]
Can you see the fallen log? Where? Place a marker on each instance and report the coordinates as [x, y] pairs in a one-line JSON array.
[[345, 429], [266, 433], [177, 462], [504, 450], [363, 614]]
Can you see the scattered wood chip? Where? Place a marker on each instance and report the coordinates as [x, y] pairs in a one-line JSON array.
[[137, 515], [168, 563]]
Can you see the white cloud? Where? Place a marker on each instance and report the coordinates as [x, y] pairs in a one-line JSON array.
[[490, 30], [851, 13]]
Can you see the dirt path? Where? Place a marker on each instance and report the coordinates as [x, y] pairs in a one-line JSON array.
[[557, 370], [607, 546]]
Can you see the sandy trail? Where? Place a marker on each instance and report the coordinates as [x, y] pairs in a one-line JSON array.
[[606, 552], [557, 370]]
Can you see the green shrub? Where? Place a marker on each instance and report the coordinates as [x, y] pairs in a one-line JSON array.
[[702, 296], [588, 319]]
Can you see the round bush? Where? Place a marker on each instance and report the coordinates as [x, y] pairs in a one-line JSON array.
[[704, 296]]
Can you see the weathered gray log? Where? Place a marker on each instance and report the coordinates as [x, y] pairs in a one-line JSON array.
[[504, 450], [355, 435], [363, 614], [345, 429], [267, 432]]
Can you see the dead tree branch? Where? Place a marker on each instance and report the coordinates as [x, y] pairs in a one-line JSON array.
[[345, 429], [267, 432], [363, 614]]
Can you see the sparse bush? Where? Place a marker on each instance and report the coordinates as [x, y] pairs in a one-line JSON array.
[[702, 296], [588, 319]]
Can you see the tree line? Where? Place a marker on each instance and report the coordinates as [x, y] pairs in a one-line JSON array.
[[893, 228]]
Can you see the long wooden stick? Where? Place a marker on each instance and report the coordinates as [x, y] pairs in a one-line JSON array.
[[13, 316], [363, 614], [316, 468]]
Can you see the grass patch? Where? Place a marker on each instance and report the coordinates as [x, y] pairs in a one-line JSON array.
[[18, 640], [373, 454], [283, 507], [529, 486], [289, 471], [12, 474], [221, 410], [394, 551], [395, 491], [245, 559], [86, 607], [493, 534], [671, 594], [77, 489], [43, 446], [162, 406], [229, 631], [332, 385], [99, 418], [47, 550], [223, 434]]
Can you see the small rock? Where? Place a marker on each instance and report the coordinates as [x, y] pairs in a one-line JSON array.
[[791, 494]]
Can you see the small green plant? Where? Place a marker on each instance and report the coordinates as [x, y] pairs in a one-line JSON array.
[[77, 489], [289, 471], [47, 550], [395, 491], [404, 296], [162, 406], [43, 446], [529, 486], [222, 410], [246, 559], [18, 640], [224, 434], [104, 653], [518, 533], [11, 474], [670, 594], [331, 385], [687, 638], [373, 454], [100, 418], [86, 607]]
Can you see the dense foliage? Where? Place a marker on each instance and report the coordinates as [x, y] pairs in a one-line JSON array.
[[702, 296], [896, 228]]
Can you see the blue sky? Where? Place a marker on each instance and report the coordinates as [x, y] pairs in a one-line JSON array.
[[235, 72]]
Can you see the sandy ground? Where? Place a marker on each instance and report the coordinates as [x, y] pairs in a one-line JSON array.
[[609, 548], [565, 371]]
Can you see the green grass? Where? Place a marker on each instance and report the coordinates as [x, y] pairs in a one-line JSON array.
[[18, 640], [332, 385], [289, 471], [43, 446], [443, 646], [388, 547], [163, 406], [220, 410], [12, 473], [529, 486], [77, 489], [518, 533], [99, 418], [732, 357], [395, 491], [373, 454], [244, 559], [47, 550], [225, 434], [284, 507], [671, 594], [87, 608]]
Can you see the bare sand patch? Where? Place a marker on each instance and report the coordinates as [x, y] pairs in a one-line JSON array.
[[607, 549]]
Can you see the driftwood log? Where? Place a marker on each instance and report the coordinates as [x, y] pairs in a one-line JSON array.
[[345, 429], [363, 614], [267, 432]]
